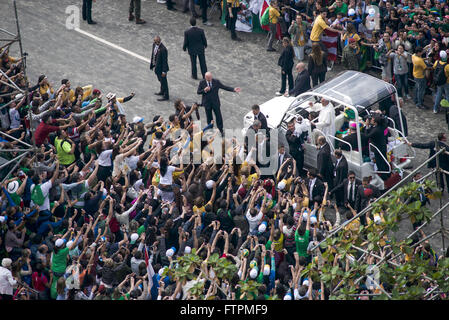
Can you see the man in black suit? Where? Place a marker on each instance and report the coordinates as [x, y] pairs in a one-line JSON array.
[[159, 62], [365, 193], [340, 174], [295, 145], [302, 81], [281, 156], [315, 186], [345, 192], [195, 42], [375, 128], [208, 88], [324, 162], [261, 117]]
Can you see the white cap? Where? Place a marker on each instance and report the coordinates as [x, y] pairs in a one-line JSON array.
[[266, 270], [371, 12], [377, 219], [59, 242], [313, 220], [443, 55], [253, 273], [6, 262], [210, 184], [19, 96], [351, 12], [69, 244], [170, 252], [2, 219], [13, 186], [288, 296], [187, 250], [137, 119], [262, 227], [305, 283], [281, 185], [110, 96], [134, 238]]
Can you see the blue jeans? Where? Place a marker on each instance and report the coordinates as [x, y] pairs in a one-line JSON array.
[[439, 94], [401, 82], [420, 89]]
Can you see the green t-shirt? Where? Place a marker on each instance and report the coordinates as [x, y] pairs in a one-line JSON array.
[[59, 260], [302, 242], [343, 9], [140, 230]]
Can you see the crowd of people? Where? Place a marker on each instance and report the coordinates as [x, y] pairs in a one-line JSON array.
[[104, 205]]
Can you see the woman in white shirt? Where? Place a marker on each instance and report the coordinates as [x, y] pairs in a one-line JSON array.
[[166, 174], [105, 159]]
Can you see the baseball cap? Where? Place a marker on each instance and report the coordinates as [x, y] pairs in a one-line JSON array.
[[351, 12], [137, 119], [59, 242], [134, 238], [170, 252], [96, 91], [443, 55], [110, 96], [305, 283], [253, 273], [281, 185]]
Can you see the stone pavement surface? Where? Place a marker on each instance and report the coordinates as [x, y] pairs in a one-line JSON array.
[[61, 53]]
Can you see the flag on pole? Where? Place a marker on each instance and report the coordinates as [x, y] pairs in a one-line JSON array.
[[264, 6], [330, 39]]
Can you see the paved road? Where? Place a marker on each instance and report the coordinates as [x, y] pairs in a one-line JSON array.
[[61, 53]]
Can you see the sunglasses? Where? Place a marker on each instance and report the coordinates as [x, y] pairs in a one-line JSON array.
[[351, 178]]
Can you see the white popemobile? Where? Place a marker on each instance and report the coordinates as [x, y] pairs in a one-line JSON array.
[[350, 89]]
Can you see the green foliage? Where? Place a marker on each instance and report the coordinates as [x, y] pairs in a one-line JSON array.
[[249, 289], [407, 279]]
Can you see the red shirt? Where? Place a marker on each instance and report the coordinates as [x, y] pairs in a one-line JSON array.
[[39, 281], [42, 132]]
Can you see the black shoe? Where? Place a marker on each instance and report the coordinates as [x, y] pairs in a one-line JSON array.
[[271, 49], [185, 10], [158, 93], [84, 18], [163, 99], [131, 17], [140, 21], [195, 77], [91, 22], [236, 39], [172, 9]]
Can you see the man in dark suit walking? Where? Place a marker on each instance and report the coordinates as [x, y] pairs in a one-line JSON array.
[[340, 174], [208, 88], [302, 81], [348, 187], [159, 62], [281, 156], [324, 162], [195, 42]]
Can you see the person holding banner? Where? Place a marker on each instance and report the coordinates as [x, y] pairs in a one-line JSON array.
[[319, 25]]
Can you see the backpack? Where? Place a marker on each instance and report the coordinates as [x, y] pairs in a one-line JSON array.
[[439, 76], [265, 20], [37, 196]]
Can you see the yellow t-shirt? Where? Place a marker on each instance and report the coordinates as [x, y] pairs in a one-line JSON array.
[[44, 89], [273, 15], [419, 66], [446, 69], [318, 27]]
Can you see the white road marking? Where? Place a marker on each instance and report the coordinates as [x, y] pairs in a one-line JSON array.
[[135, 55]]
